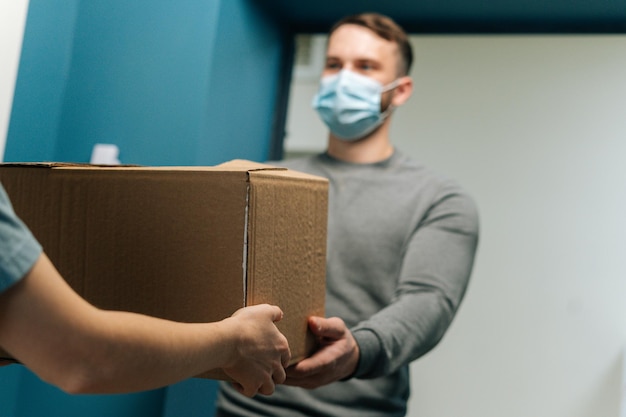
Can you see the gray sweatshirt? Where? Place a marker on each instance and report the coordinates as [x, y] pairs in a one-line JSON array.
[[401, 245]]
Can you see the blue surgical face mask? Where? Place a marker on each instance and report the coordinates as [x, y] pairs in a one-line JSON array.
[[349, 104]]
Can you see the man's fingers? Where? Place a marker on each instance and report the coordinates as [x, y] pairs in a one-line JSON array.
[[332, 328], [307, 367]]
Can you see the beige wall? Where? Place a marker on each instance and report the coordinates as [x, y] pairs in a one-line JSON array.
[[535, 128]]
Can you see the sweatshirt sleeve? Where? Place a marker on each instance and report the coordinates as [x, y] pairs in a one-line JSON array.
[[435, 272], [18, 247]]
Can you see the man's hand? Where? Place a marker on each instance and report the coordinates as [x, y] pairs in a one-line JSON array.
[[262, 352], [336, 358]]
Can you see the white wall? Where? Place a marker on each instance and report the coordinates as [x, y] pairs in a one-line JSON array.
[[535, 128], [12, 21]]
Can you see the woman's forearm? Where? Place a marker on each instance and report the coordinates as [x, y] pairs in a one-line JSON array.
[[82, 349]]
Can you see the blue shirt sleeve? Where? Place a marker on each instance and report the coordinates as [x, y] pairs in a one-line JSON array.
[[18, 247]]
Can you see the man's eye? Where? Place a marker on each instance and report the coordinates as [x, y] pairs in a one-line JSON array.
[[332, 65]]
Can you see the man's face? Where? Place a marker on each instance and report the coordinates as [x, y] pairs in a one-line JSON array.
[[358, 49]]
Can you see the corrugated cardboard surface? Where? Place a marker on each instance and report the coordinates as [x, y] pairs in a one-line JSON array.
[[189, 244]]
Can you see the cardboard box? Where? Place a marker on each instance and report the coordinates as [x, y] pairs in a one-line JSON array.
[[190, 244]]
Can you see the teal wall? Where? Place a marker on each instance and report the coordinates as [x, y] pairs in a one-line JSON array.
[[170, 82], [42, 76], [193, 82]]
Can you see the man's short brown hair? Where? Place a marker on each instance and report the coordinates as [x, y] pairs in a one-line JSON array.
[[386, 28]]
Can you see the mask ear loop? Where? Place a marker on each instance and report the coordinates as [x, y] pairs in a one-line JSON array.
[[390, 108], [391, 85]]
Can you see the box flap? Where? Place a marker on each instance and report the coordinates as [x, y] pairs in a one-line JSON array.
[[61, 165], [245, 165], [234, 165]]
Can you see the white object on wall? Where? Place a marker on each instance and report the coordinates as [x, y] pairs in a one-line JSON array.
[[12, 21], [105, 154]]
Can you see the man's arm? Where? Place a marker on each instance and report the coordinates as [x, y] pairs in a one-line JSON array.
[[435, 274]]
